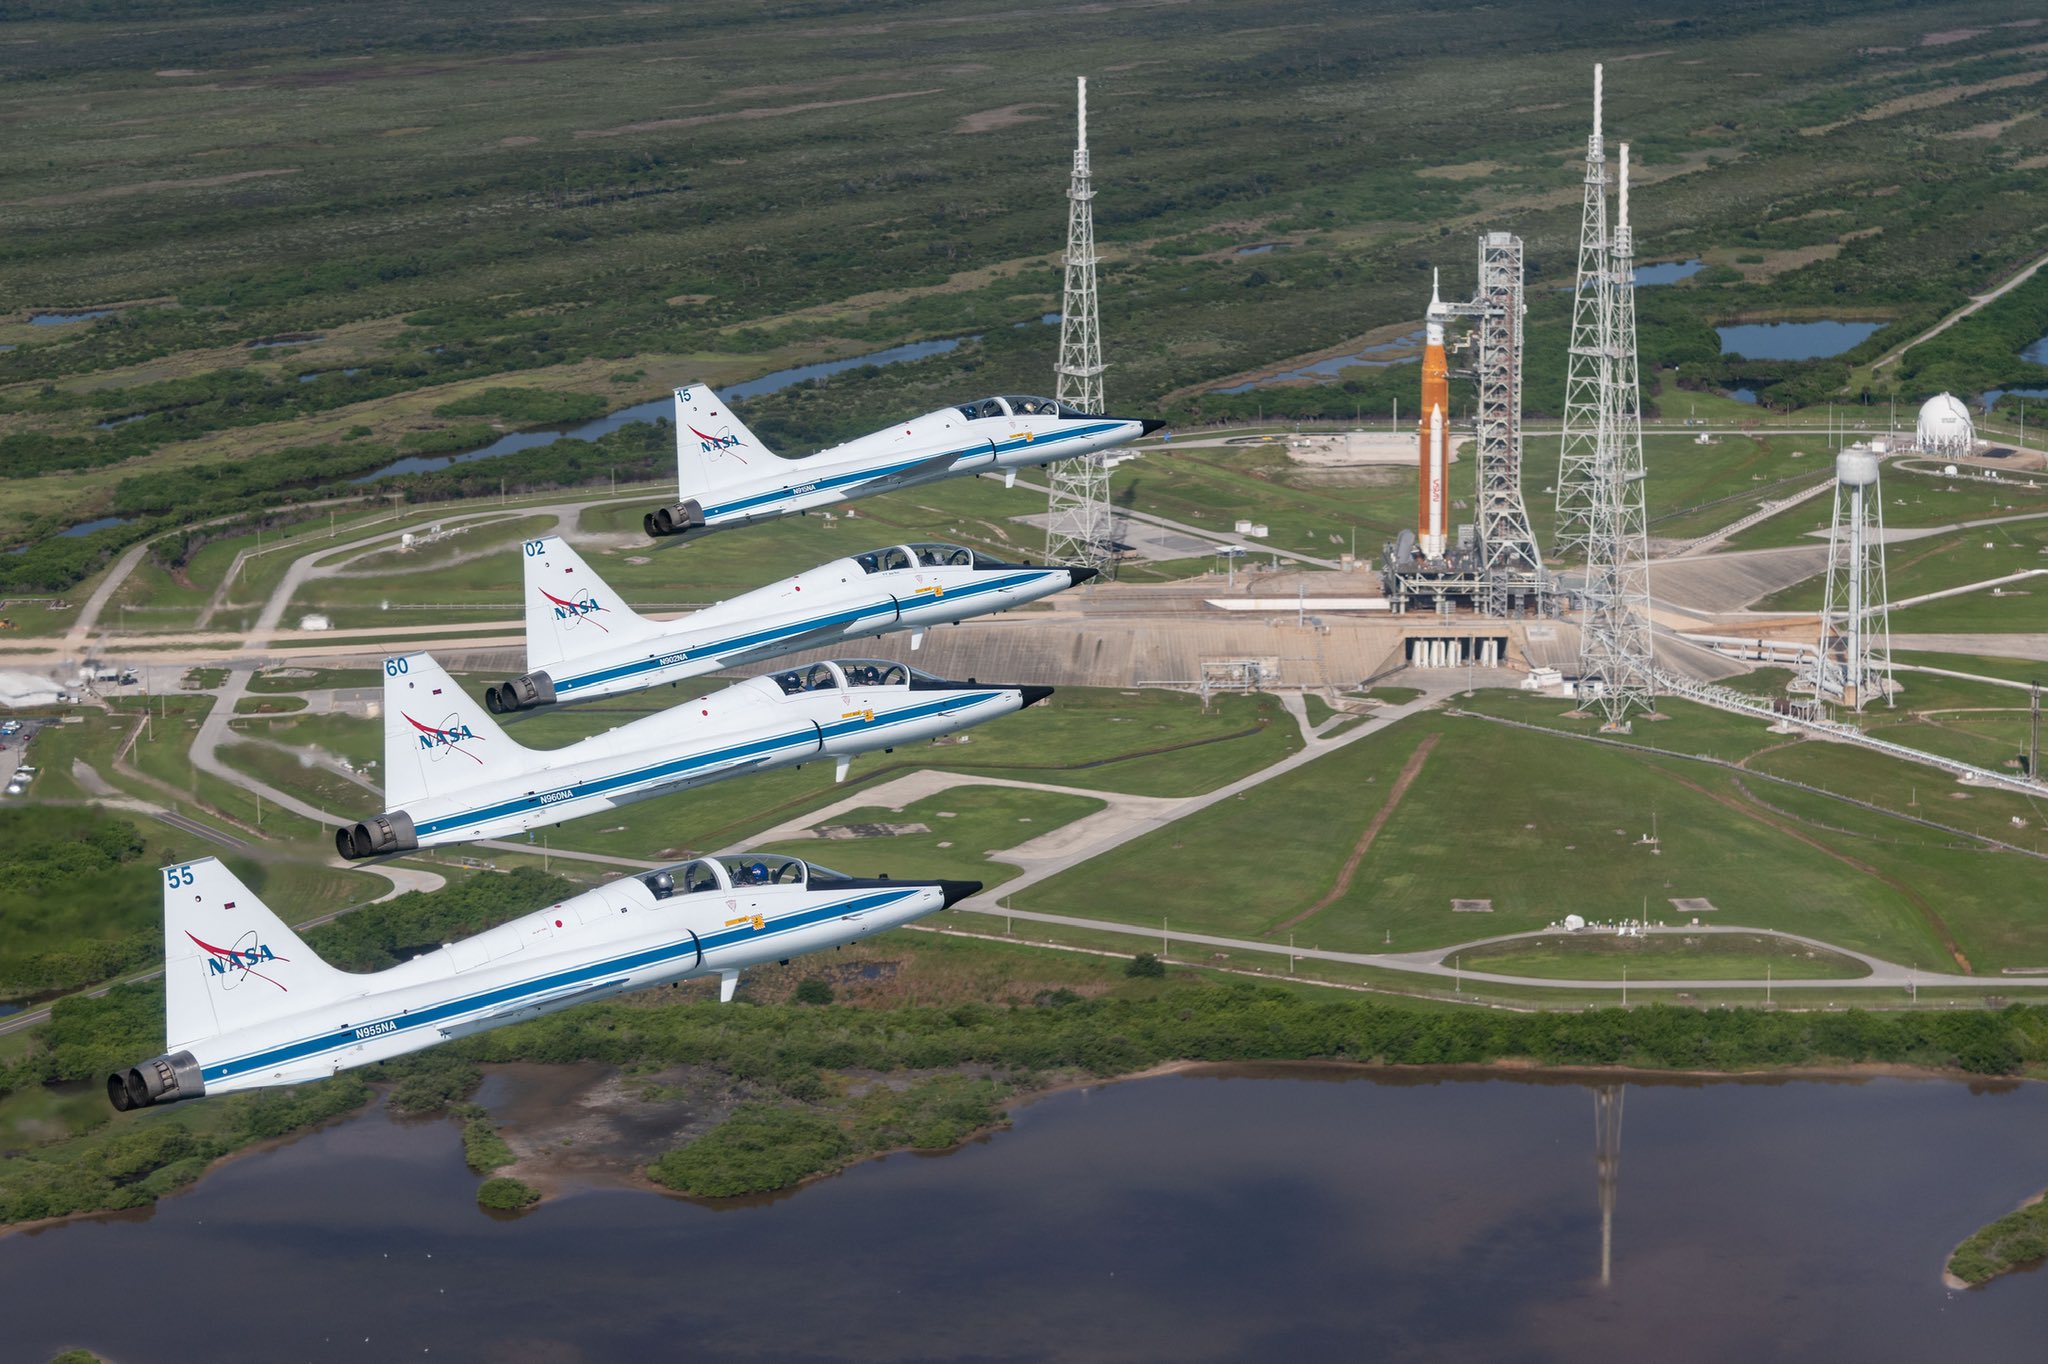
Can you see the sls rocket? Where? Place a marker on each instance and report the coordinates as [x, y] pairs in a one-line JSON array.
[[1433, 516]]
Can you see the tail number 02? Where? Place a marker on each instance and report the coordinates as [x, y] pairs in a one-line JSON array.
[[536, 548], [397, 667], [175, 877]]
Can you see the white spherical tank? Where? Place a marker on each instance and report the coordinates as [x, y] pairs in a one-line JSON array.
[[1945, 424], [1856, 468]]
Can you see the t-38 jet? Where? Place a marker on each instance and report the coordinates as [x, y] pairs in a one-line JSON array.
[[248, 1004], [728, 478], [582, 642], [451, 775]]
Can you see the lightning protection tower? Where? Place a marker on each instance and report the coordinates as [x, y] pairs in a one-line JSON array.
[[1854, 663], [1614, 636], [1585, 380], [1077, 531]]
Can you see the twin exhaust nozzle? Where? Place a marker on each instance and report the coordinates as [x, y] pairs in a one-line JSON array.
[[521, 693], [376, 836], [159, 1080]]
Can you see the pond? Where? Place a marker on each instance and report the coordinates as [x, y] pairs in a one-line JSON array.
[[1669, 272], [1794, 340], [1243, 1213], [66, 319]]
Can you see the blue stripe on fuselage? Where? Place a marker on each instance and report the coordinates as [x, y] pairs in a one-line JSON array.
[[759, 638], [837, 482], [335, 1039], [680, 767]]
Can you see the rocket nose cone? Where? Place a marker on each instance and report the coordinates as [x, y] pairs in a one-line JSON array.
[[956, 891]]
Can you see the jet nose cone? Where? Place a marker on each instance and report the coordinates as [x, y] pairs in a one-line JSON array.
[[1082, 575], [956, 891], [1033, 695], [1151, 424]]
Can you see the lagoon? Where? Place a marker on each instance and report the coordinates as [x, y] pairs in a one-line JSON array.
[[1794, 340], [1232, 1213]]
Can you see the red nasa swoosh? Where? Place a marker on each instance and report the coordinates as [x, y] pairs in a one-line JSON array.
[[577, 607], [724, 443], [444, 736], [236, 958]]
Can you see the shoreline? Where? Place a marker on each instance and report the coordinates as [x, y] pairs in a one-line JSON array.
[[554, 1182]]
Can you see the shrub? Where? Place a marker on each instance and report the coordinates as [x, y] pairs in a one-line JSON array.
[[1145, 965], [814, 990], [506, 1195]]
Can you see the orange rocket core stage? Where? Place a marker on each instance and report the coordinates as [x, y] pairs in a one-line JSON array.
[[1433, 511]]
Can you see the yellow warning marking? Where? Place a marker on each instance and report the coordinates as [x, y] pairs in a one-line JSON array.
[[933, 591], [867, 715]]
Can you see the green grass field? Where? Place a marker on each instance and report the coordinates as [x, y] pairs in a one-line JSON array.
[[1709, 956], [1564, 836], [970, 827]]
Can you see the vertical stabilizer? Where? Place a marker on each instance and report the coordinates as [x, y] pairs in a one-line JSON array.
[[229, 963], [572, 613], [714, 448], [437, 738]]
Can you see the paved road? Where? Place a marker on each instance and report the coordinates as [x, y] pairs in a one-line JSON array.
[[1959, 314], [1883, 975]]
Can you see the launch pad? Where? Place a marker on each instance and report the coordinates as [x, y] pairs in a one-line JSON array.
[[1492, 567]]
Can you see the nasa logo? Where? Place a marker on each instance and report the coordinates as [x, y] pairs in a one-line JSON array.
[[718, 444], [583, 608], [232, 965], [438, 741]]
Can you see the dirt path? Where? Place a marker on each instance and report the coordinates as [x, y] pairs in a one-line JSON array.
[[1410, 770], [1762, 813]]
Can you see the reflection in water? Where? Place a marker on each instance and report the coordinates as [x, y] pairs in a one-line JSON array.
[[1235, 1214], [1607, 1161]]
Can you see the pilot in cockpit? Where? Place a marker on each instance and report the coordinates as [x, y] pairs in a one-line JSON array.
[[663, 884]]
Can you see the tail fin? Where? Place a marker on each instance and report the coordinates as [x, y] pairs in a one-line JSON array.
[[713, 447], [437, 738], [570, 611], [229, 962]]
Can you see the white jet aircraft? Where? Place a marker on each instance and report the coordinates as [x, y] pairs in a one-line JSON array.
[[728, 478], [248, 1004], [451, 775], [582, 642]]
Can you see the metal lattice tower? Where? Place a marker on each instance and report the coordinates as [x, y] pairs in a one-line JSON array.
[[1078, 525], [1506, 544], [1614, 635], [1584, 380], [1854, 663], [1607, 1100]]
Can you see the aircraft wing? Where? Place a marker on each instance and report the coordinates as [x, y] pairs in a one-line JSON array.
[[917, 473], [525, 1003]]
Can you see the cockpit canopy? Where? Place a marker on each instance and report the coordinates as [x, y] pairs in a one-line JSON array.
[[929, 554], [834, 674], [735, 871], [1018, 405]]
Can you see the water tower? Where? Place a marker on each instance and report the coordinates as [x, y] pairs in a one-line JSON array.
[[1854, 664]]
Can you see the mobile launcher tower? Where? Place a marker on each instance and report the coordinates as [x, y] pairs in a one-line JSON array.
[[1491, 565]]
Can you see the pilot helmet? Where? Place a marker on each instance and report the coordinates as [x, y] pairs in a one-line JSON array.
[[758, 873], [663, 884]]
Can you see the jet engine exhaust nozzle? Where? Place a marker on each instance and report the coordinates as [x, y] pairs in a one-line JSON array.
[[680, 519], [375, 836], [159, 1080], [521, 693]]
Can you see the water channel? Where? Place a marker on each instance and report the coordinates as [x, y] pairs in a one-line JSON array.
[[660, 408], [1241, 1214]]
